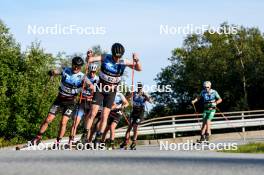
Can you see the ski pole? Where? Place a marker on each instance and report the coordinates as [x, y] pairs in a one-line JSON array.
[[126, 118], [133, 72], [81, 97], [222, 114], [154, 130]]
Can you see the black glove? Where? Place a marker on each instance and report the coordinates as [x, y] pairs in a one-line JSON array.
[[50, 73]]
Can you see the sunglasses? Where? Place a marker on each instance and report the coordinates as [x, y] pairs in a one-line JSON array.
[[206, 87], [76, 66]]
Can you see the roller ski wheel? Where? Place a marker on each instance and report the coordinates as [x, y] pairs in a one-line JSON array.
[[22, 147]]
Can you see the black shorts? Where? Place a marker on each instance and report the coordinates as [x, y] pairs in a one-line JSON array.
[[136, 116], [65, 106], [114, 116], [104, 98]]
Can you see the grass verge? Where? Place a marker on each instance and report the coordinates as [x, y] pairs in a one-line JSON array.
[[257, 147]]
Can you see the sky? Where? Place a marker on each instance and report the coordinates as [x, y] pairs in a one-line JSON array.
[[135, 24]]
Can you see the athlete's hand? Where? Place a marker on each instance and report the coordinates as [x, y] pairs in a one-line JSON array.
[[193, 102], [91, 86], [123, 108], [214, 104], [113, 107], [89, 54], [135, 57]]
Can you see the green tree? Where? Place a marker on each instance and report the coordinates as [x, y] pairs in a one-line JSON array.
[[232, 62], [22, 83]]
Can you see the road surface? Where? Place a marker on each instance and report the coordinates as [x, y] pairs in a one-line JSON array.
[[146, 160]]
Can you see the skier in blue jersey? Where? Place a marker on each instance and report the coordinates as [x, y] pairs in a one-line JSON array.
[[120, 103], [70, 86], [139, 102], [112, 68], [87, 95], [211, 98]]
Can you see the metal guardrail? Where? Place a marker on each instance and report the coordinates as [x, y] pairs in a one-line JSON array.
[[193, 122]]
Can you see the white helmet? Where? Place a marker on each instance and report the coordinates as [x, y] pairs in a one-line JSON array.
[[207, 84], [93, 67]]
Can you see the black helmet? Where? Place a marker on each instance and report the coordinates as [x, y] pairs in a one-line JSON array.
[[128, 94], [139, 84], [118, 50], [78, 61]]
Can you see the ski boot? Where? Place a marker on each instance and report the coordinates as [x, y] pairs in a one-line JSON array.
[[70, 143], [124, 145], [207, 138], [97, 140], [84, 137], [110, 145], [200, 141], [56, 145], [36, 140], [133, 145]]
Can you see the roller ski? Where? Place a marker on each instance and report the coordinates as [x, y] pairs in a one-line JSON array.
[[98, 138], [71, 144], [97, 141], [203, 140], [21, 147], [34, 142], [110, 145], [81, 143]]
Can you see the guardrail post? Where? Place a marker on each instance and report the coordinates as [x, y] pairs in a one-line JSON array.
[[243, 128], [173, 123]]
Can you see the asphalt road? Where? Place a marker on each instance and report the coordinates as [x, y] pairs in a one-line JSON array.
[[145, 160]]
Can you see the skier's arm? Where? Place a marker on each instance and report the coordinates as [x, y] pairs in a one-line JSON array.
[[125, 102], [135, 61], [219, 99], [54, 72], [89, 84], [196, 99], [90, 58], [147, 97]]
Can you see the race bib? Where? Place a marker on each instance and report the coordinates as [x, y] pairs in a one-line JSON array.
[[69, 90], [109, 79], [137, 104]]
